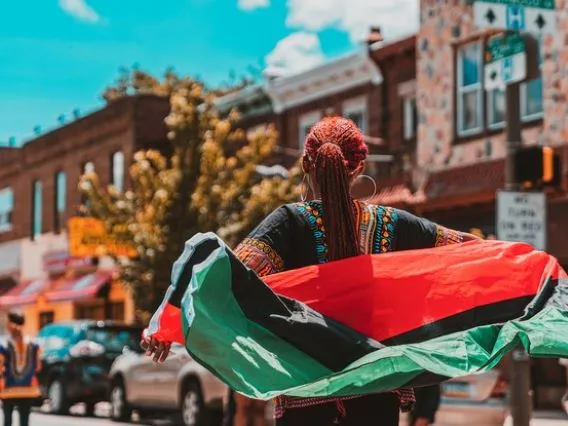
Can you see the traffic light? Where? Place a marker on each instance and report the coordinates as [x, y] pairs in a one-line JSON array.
[[538, 166]]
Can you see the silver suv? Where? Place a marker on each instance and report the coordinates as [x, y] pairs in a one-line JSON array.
[[179, 387]]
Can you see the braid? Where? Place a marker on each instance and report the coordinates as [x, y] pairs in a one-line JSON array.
[[333, 179], [334, 151]]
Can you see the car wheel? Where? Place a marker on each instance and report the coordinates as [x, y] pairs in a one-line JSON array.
[[119, 410], [57, 397], [193, 411]]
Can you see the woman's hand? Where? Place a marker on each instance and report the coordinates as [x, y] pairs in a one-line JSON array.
[[160, 350]]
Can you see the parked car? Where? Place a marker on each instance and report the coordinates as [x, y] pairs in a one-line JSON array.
[[180, 388], [76, 358], [475, 400]]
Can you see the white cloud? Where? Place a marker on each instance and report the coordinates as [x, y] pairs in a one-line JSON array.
[[80, 10], [395, 17], [253, 4], [296, 53]]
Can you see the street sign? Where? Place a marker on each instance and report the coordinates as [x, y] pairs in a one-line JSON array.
[[521, 217], [534, 16], [505, 60]]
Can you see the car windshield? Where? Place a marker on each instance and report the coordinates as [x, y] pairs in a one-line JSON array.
[[115, 339]]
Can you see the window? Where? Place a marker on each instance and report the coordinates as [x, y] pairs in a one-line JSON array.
[[496, 108], [469, 89], [410, 118], [306, 123], [46, 317], [6, 208], [470, 117], [60, 200], [94, 310], [37, 197], [117, 170], [356, 110], [116, 311]]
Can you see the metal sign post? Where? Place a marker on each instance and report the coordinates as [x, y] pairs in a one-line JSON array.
[[511, 58]]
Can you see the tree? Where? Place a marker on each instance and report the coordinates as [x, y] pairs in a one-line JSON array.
[[209, 184]]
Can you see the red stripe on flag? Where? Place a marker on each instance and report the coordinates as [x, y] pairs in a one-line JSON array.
[[386, 295]]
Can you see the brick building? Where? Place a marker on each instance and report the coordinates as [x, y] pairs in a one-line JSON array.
[[38, 194], [374, 86]]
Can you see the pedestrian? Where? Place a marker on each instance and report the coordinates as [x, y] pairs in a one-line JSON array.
[[329, 227], [20, 361], [427, 404]]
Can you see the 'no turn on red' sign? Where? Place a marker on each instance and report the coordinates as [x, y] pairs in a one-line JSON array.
[[521, 217]]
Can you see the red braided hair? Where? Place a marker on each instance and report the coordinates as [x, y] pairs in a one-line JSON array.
[[334, 152]]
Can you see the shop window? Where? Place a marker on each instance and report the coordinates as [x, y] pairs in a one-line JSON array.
[[116, 311], [95, 311]]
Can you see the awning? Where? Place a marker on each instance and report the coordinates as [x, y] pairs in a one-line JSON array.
[[83, 287], [24, 294]]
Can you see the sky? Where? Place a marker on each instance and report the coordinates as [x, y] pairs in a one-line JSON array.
[[58, 55]]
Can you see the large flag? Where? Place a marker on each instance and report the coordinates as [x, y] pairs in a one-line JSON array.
[[365, 324]]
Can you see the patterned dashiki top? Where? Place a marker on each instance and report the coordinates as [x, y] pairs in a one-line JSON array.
[[294, 236], [20, 365]]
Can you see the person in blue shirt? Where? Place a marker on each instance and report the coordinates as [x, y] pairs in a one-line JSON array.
[[20, 363]]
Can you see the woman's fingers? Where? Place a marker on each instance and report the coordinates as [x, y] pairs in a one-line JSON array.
[[156, 349], [165, 353]]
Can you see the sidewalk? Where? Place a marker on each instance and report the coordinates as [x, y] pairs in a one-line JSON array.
[[544, 419]]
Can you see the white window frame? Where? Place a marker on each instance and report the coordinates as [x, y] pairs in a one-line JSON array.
[[476, 87], [306, 120], [409, 124], [357, 106], [5, 220]]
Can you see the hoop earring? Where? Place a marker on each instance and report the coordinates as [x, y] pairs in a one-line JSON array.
[[374, 182], [305, 188]]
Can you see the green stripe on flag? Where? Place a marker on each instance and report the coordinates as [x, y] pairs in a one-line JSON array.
[[259, 364]]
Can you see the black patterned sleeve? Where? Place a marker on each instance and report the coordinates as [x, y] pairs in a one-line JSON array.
[[267, 247], [413, 232]]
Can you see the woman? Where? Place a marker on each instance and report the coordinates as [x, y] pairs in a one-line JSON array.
[[21, 361], [333, 226]]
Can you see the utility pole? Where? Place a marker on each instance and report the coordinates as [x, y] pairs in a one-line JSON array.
[[511, 58]]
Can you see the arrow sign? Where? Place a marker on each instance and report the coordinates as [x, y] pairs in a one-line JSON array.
[[505, 60], [534, 16]]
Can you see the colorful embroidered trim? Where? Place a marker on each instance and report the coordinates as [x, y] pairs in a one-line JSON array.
[[386, 218], [445, 236], [282, 403], [313, 213], [259, 256]]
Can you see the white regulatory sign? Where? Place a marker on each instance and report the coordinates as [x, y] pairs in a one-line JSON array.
[[521, 217]]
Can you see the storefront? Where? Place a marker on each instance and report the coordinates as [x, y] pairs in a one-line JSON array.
[[74, 288]]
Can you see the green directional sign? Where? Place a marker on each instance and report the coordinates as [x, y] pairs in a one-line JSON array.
[[503, 45], [505, 60]]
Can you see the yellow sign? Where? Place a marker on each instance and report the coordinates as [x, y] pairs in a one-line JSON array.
[[88, 237]]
